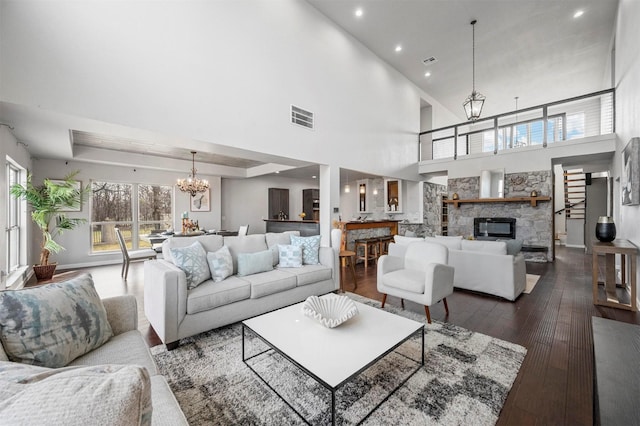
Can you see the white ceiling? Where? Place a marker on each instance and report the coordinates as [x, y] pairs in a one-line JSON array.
[[533, 49]]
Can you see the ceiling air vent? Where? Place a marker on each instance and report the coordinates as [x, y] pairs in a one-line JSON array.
[[430, 60], [301, 117]]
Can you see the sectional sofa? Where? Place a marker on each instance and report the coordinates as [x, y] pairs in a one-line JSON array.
[[492, 267], [176, 311]]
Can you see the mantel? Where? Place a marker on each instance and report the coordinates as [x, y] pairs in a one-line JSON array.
[[533, 200]]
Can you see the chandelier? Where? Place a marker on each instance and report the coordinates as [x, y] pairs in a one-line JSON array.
[[475, 101], [192, 184]]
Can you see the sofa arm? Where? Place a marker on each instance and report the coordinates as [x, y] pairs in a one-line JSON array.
[[165, 298], [122, 313], [328, 256]]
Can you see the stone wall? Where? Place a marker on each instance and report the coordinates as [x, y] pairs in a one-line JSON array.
[[433, 208], [533, 224]]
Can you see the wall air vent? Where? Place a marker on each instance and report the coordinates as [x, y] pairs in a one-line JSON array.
[[430, 60], [301, 117]]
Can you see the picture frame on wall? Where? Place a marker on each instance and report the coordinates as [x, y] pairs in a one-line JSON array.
[[78, 187], [630, 179], [201, 202]]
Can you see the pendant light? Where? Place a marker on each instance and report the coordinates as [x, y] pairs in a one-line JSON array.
[[192, 184], [474, 103]]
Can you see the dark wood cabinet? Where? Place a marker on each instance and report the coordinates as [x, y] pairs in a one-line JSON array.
[[278, 202], [311, 204]]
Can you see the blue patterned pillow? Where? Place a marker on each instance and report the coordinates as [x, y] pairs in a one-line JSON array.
[[54, 324], [253, 263], [193, 261], [290, 256], [310, 248], [220, 264]]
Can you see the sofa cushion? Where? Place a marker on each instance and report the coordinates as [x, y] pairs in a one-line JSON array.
[[210, 243], [451, 242], [399, 239], [271, 282], [193, 261], [53, 324], [102, 394], [125, 348], [514, 245], [210, 295], [290, 256], [310, 248], [244, 244], [220, 264], [405, 279], [492, 247], [310, 274], [275, 238], [254, 263]]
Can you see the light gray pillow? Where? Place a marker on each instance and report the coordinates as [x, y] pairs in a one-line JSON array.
[[220, 264], [193, 261], [253, 263], [54, 324], [514, 246], [310, 248], [290, 256]]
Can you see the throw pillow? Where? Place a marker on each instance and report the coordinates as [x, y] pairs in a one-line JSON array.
[[400, 239], [253, 263], [220, 264], [290, 256], [514, 246], [101, 394], [53, 324], [310, 248], [193, 261]]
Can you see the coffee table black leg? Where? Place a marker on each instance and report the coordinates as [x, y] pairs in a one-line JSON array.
[[423, 347]]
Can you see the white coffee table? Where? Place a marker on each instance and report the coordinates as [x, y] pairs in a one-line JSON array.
[[332, 356]]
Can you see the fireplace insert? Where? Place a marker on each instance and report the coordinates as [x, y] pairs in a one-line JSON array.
[[493, 228]]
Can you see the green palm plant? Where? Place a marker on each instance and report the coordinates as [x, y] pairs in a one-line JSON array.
[[48, 203]]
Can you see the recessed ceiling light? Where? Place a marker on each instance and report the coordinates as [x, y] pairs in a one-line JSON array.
[[427, 74], [578, 13], [358, 12], [277, 171], [314, 177], [398, 48]]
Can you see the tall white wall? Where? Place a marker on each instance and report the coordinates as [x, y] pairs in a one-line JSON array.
[[627, 78], [224, 72]]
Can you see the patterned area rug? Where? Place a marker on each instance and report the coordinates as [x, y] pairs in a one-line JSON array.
[[466, 379], [532, 280]]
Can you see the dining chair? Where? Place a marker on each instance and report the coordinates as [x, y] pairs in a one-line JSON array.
[[243, 230], [129, 256]]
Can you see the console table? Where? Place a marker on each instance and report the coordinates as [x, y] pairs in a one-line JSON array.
[[627, 252]]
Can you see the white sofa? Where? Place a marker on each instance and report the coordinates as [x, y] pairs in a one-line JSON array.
[[127, 347], [482, 266], [176, 312]]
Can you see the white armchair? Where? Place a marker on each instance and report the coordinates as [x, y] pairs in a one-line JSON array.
[[421, 276]]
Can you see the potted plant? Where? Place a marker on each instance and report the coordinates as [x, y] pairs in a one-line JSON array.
[[48, 203]]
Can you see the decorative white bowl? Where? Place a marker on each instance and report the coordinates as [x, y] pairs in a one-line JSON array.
[[329, 311]]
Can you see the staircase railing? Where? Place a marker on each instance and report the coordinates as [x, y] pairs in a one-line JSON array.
[[578, 117]]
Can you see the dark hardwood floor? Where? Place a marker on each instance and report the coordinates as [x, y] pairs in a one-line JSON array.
[[554, 385]]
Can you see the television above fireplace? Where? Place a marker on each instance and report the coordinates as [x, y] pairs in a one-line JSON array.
[[493, 228]]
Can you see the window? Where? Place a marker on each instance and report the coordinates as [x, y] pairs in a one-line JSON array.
[[15, 218], [113, 206], [527, 133]]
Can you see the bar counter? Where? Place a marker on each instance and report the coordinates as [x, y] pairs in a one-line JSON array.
[[306, 227], [353, 230]]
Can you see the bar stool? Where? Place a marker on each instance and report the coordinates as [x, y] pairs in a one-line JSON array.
[[383, 244], [349, 262], [370, 250]]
